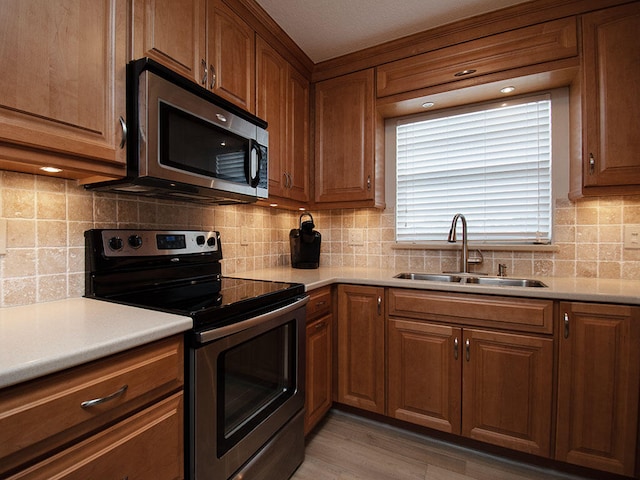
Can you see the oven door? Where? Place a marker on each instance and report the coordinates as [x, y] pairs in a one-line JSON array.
[[247, 384]]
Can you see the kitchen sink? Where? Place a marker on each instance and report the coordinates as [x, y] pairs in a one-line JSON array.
[[473, 280], [505, 282], [432, 277]]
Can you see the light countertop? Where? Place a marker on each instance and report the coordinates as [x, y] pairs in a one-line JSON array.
[[574, 289], [43, 338]]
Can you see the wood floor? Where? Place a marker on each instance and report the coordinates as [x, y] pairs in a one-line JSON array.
[[346, 447]]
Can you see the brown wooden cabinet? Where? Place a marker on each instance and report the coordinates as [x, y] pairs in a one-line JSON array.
[[204, 40], [517, 48], [607, 162], [598, 386], [490, 385], [348, 170], [282, 99], [172, 33], [230, 56], [43, 416], [319, 378], [361, 347], [62, 90]]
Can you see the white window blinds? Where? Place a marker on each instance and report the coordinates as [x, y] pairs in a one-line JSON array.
[[492, 164]]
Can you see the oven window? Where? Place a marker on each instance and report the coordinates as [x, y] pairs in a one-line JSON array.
[[195, 145], [254, 379]]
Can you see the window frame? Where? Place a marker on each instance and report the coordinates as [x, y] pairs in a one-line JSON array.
[[559, 175]]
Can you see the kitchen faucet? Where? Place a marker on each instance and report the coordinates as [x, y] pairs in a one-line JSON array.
[[464, 257]]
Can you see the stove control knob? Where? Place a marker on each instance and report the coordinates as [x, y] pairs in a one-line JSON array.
[[135, 241], [115, 243], [200, 240], [211, 241]]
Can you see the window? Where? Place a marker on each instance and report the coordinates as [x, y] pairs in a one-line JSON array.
[[490, 162]]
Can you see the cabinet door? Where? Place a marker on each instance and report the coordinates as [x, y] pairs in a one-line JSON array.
[[345, 128], [361, 355], [424, 368], [172, 33], [146, 445], [271, 105], [231, 54], [507, 385], [62, 88], [598, 385], [298, 135], [611, 99], [319, 372]]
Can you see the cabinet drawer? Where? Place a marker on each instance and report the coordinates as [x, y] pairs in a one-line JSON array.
[[146, 445], [319, 303], [509, 313], [44, 414], [517, 48]]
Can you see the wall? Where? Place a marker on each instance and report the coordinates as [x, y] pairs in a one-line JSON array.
[[588, 235], [46, 218]]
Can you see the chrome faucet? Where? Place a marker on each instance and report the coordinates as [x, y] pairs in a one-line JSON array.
[[464, 257]]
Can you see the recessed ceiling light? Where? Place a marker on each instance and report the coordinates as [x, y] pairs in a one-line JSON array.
[[507, 89], [428, 104], [51, 169]]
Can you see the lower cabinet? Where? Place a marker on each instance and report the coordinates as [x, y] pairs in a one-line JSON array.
[[361, 354], [491, 386], [319, 365], [117, 417], [599, 386], [147, 445]]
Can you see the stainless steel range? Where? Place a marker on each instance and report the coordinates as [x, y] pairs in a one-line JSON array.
[[245, 353]]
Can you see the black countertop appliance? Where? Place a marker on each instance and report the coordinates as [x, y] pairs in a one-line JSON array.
[[305, 244]]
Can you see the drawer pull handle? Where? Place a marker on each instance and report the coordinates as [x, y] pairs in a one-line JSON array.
[[566, 325], [320, 325], [455, 348], [98, 401], [467, 346], [321, 303]]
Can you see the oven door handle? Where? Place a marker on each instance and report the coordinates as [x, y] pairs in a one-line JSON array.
[[220, 332]]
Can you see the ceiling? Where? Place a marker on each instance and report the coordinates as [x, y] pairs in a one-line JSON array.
[[326, 29]]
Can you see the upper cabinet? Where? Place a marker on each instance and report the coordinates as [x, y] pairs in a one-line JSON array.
[[607, 162], [504, 51], [348, 170], [282, 99], [172, 33], [231, 56], [202, 40], [62, 88]]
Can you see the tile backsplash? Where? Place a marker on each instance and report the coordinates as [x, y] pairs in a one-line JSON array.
[[46, 218]]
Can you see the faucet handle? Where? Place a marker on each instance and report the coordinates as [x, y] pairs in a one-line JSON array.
[[502, 269]]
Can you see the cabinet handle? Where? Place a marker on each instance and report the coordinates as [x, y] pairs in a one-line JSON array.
[[321, 303], [123, 138], [320, 325], [98, 401], [369, 182], [205, 72], [379, 305], [455, 348], [213, 77], [592, 164], [566, 325], [467, 347]]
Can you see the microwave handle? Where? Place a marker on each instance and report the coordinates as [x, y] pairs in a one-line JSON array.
[[253, 164]]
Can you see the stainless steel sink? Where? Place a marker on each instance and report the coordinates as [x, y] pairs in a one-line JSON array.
[[505, 282], [473, 280], [432, 277]]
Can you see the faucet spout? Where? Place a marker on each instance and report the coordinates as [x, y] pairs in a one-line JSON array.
[[464, 256]]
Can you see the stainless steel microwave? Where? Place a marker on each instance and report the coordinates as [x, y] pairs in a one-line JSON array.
[[186, 143]]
